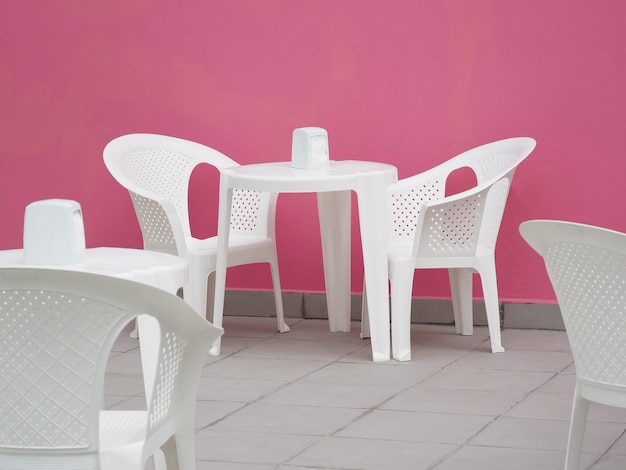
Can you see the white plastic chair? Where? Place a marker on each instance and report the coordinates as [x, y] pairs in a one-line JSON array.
[[156, 170], [427, 229], [57, 328], [587, 269]]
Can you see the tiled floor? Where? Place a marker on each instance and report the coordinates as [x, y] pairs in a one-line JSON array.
[[310, 399]]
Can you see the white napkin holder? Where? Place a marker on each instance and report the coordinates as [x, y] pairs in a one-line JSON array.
[[309, 148], [54, 232]]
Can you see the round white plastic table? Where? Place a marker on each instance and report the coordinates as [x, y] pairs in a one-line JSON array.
[[333, 186], [161, 270]]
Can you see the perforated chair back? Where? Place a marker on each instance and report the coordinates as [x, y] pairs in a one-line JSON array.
[[156, 170], [459, 224], [587, 269], [57, 329]]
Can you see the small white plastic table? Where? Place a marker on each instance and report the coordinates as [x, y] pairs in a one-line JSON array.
[[333, 187], [161, 270]]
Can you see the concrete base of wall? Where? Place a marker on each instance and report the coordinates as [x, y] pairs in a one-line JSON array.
[[300, 305]]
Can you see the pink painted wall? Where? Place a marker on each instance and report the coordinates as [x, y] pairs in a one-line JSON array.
[[407, 82]]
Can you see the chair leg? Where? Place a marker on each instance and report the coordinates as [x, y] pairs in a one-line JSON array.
[[210, 296], [401, 276], [159, 461], [492, 305], [461, 290], [580, 408], [169, 458], [365, 315], [278, 297], [195, 292]]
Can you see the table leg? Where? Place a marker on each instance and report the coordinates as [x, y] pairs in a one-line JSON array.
[[334, 209], [371, 201], [223, 230]]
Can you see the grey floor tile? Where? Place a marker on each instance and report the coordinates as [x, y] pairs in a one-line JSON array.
[[128, 403], [539, 361], [208, 465], [545, 434], [262, 368], [274, 348], [535, 340], [310, 393], [365, 454], [399, 374], [121, 402], [127, 363], [559, 406], [123, 384], [446, 336], [250, 327], [563, 383], [543, 406], [289, 419], [252, 448], [233, 344], [209, 412], [492, 458], [293, 467], [236, 389], [611, 462], [416, 426], [620, 446], [487, 379], [124, 342], [448, 400], [437, 355], [318, 330], [361, 355]]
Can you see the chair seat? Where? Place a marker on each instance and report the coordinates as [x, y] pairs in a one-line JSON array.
[[122, 428], [235, 242], [399, 250]]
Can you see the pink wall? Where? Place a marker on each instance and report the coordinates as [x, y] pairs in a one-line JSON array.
[[406, 82]]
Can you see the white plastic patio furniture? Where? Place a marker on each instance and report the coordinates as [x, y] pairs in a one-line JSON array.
[[428, 229], [334, 185], [587, 268], [57, 328], [156, 170]]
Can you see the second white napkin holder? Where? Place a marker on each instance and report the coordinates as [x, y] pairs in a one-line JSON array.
[[54, 232]]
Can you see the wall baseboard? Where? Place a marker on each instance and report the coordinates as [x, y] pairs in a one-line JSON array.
[[434, 311]]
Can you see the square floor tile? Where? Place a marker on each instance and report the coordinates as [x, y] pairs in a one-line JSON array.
[[545, 434], [487, 379], [417, 426], [284, 369], [493, 458], [366, 454], [248, 447], [289, 419], [342, 395], [449, 400], [273, 348]]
